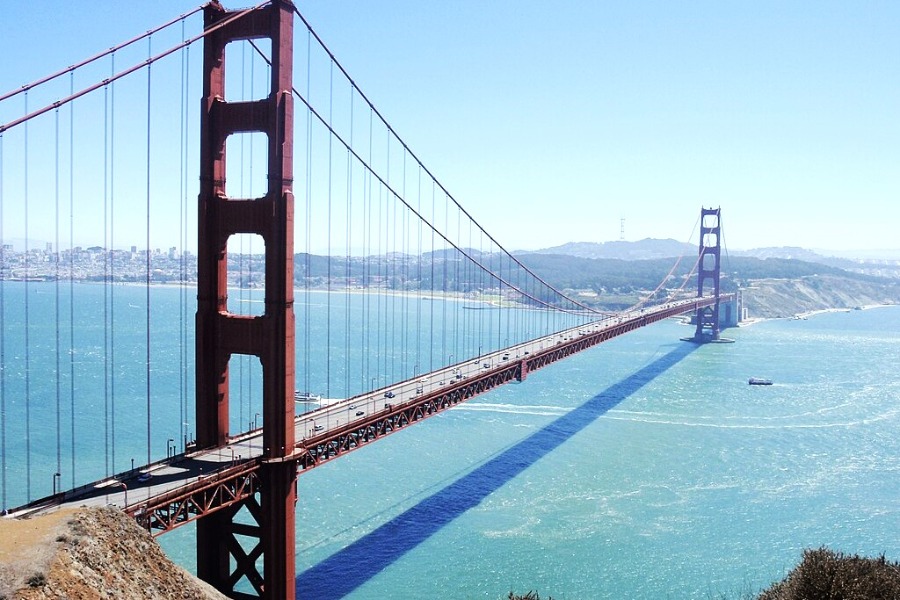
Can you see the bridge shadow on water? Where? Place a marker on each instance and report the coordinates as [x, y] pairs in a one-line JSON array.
[[346, 570]]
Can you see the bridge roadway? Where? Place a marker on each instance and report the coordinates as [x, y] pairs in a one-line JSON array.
[[184, 487]]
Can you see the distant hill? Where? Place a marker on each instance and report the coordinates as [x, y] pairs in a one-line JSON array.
[[789, 252], [651, 249], [642, 250], [881, 267], [773, 287]]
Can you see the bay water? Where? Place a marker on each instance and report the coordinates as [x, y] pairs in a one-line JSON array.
[[643, 468]]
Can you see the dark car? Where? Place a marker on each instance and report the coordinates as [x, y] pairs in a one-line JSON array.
[[360, 413], [389, 394]]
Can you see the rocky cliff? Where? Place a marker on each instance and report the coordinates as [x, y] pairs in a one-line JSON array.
[[97, 553]]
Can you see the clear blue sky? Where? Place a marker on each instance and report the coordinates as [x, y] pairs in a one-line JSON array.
[[551, 122]]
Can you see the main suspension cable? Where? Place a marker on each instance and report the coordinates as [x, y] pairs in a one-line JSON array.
[[146, 63], [426, 170], [96, 57]]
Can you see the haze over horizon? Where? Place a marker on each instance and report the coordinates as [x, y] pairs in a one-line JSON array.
[[876, 254]]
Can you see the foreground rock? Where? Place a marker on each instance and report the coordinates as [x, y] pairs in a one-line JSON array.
[[86, 554]]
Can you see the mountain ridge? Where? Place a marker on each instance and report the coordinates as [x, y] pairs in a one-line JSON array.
[[650, 248]]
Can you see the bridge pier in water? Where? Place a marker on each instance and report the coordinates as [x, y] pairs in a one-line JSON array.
[[221, 560]]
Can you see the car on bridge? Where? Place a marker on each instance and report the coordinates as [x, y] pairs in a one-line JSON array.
[[389, 394]]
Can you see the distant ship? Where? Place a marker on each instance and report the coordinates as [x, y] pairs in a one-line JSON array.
[[758, 381]]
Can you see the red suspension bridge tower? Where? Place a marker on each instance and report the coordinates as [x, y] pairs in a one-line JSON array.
[[708, 272], [221, 560]]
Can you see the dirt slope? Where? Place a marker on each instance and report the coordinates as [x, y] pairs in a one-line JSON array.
[[96, 553]]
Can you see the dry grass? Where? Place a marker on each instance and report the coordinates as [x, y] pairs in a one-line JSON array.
[[27, 547], [90, 554]]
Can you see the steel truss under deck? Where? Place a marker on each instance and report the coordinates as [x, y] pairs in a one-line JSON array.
[[229, 488]]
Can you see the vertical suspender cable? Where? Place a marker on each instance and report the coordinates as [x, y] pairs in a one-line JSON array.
[[106, 253], [431, 304], [349, 233], [112, 244], [328, 282], [404, 253], [241, 358], [503, 313], [308, 282], [383, 209], [484, 285], [500, 309], [27, 328], [394, 279], [445, 299], [72, 274], [364, 330], [367, 228], [2, 345], [56, 299], [460, 291], [419, 275], [147, 284], [470, 285], [389, 232], [184, 260], [382, 226], [250, 191], [366, 237], [182, 340]]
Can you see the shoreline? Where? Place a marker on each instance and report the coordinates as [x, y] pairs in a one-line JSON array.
[[489, 300], [803, 316]]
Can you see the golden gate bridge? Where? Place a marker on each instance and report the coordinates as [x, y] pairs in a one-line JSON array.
[[293, 163]]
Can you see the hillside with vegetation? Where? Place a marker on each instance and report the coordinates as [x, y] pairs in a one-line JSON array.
[[775, 282], [772, 288]]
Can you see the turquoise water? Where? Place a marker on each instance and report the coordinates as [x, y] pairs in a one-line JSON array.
[[644, 468], [77, 366]]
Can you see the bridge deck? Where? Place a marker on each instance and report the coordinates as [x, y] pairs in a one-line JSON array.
[[172, 492]]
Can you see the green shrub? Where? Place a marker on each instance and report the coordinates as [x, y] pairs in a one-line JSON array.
[[827, 575]]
